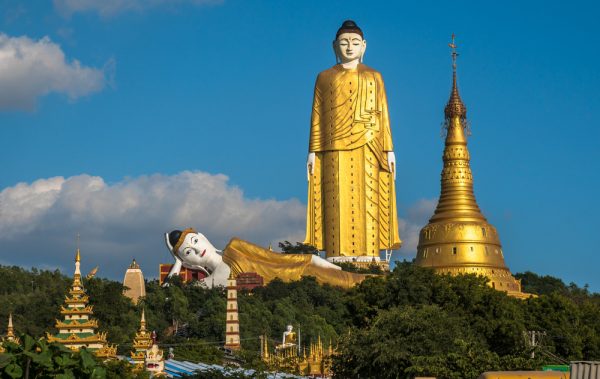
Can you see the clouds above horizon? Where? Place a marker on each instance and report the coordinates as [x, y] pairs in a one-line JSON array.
[[417, 216], [109, 8], [127, 219], [32, 68]]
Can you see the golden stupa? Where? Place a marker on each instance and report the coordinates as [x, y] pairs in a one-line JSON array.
[[458, 238]]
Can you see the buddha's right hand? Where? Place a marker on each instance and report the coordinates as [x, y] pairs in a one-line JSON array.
[[310, 165]]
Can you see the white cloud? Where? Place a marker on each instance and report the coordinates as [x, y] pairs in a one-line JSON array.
[[417, 217], [30, 69], [107, 8], [39, 220]]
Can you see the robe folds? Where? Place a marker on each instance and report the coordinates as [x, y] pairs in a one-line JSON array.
[[242, 256], [351, 196]]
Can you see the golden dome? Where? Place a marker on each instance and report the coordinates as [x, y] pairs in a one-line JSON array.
[[458, 238]]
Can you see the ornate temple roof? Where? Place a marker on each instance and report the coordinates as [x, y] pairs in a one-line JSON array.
[[78, 329]]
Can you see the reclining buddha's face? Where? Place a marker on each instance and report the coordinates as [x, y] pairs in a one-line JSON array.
[[196, 250]]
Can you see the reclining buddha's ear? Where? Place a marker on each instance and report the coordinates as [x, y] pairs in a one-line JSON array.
[[169, 246]]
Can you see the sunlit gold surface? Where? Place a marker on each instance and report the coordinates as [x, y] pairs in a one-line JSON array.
[[351, 196], [78, 328], [458, 238], [141, 343], [316, 362], [242, 256]]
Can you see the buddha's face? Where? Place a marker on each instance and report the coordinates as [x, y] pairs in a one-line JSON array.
[[289, 328], [349, 47], [196, 249]]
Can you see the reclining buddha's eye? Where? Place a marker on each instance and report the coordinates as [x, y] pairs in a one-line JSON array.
[[195, 240]]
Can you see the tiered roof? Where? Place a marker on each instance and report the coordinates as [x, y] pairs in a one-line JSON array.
[[141, 343], [78, 328], [10, 335]]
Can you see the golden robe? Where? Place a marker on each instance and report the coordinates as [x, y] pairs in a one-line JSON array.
[[351, 195], [242, 256]]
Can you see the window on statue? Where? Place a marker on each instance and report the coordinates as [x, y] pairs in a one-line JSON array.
[[486, 251], [471, 248], [483, 232], [454, 249], [231, 329]]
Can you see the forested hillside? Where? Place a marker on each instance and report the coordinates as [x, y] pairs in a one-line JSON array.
[[409, 322]]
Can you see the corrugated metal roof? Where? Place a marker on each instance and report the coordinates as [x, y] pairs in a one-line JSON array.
[[585, 370], [175, 369]]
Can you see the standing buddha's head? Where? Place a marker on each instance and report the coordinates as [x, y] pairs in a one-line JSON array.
[[349, 43]]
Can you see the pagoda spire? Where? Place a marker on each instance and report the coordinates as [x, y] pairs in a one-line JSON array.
[[457, 199], [78, 328], [141, 343], [10, 331], [458, 239]]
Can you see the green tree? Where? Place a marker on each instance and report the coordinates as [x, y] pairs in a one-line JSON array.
[[299, 248]]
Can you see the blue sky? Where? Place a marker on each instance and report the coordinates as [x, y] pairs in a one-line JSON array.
[[163, 114]]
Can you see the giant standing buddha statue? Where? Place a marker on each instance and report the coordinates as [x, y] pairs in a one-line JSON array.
[[458, 238], [351, 169]]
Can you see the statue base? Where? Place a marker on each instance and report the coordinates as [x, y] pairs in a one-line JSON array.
[[363, 261]]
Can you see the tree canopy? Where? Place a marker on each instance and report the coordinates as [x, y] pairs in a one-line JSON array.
[[410, 322]]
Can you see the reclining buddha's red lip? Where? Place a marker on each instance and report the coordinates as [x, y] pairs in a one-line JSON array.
[[204, 252]]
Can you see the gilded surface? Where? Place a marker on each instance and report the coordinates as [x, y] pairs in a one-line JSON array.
[[351, 196], [242, 256], [458, 238]]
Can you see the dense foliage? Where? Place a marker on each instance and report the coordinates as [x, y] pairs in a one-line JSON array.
[[38, 359], [409, 323]]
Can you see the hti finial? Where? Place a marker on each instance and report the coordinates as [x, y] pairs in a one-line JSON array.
[[455, 106], [454, 54], [77, 255]]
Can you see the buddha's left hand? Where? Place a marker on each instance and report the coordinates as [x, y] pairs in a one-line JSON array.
[[391, 158]]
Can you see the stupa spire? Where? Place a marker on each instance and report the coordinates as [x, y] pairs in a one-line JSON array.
[[457, 200], [458, 238], [10, 331], [143, 321], [77, 259]]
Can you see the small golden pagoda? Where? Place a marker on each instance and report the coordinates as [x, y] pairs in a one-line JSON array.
[[458, 238], [10, 335], [286, 356], [141, 343], [78, 329]]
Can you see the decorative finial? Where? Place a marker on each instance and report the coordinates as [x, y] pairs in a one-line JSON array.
[[455, 106], [143, 321], [77, 255], [454, 53]]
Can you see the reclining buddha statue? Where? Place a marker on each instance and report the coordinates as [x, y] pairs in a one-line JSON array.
[[194, 251]]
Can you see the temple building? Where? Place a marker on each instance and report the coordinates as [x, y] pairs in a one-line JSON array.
[[141, 344], [232, 321], [134, 282], [78, 329], [458, 239], [289, 357], [155, 362], [10, 335]]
